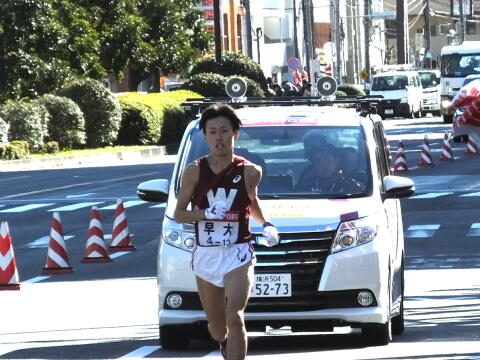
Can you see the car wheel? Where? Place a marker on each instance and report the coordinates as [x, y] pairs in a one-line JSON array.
[[398, 322], [174, 337], [437, 113], [447, 119]]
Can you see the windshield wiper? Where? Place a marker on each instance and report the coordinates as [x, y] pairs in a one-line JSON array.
[[281, 196]]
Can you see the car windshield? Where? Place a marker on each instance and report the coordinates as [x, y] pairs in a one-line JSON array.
[[460, 65], [393, 82], [428, 79], [301, 161]]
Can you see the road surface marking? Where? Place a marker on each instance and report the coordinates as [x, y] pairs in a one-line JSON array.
[[78, 196], [471, 194], [43, 241], [126, 204], [474, 230], [430, 195], [118, 254], [35, 279], [76, 206], [24, 208], [141, 352], [162, 205], [422, 231]]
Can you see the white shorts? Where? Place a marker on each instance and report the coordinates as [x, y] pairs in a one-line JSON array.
[[212, 263]]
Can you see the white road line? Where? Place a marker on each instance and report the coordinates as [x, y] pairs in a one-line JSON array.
[[35, 279], [141, 352], [24, 208], [126, 204], [430, 195], [162, 205], [474, 230], [422, 231], [2, 205], [76, 206], [78, 196], [43, 242], [471, 194], [213, 354], [118, 254]]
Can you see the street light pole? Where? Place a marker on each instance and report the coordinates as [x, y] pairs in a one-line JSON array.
[[366, 23], [217, 31], [258, 34], [428, 38]]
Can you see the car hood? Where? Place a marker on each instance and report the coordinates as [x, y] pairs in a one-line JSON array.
[[390, 94], [312, 215]]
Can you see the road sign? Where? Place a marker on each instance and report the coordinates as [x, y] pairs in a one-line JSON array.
[[364, 74], [293, 63]]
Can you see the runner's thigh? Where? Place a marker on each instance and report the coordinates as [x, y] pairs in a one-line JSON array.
[[238, 284]]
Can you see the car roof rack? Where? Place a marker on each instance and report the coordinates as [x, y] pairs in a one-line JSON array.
[[365, 104]]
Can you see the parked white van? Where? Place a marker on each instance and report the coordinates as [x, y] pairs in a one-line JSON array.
[[402, 92], [430, 79]]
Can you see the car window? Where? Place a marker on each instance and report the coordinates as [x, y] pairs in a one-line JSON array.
[[428, 79], [293, 161]]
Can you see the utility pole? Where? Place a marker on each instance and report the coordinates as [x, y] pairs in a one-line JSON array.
[[307, 34], [338, 43], [248, 30], [402, 32], [217, 30], [462, 21], [295, 36], [427, 36], [366, 23]]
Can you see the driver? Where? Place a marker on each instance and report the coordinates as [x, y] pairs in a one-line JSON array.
[[324, 174]]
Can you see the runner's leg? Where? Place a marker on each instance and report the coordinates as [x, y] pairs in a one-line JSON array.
[[238, 283], [213, 302]]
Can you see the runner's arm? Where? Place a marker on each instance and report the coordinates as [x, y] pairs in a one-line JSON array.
[[185, 194], [253, 175]]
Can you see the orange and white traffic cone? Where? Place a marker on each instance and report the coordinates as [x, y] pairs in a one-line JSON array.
[[57, 257], [96, 250], [472, 148], [425, 156], [120, 236], [8, 267], [446, 154], [400, 164]]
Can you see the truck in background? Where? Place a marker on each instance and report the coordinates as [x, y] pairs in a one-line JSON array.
[[457, 62]]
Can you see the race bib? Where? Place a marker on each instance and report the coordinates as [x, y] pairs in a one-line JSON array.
[[219, 232]]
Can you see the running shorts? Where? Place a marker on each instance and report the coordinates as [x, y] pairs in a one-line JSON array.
[[212, 263]]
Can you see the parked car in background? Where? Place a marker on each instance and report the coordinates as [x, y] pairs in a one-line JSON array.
[[402, 92], [460, 133], [430, 80]]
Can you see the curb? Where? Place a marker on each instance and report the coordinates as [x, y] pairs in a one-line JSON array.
[[122, 157]]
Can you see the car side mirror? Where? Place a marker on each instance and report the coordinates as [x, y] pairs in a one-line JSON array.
[[398, 186], [153, 190]]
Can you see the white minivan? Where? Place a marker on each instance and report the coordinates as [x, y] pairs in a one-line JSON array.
[[402, 92], [341, 257]]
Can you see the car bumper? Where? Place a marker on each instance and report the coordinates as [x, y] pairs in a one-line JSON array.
[[393, 108]]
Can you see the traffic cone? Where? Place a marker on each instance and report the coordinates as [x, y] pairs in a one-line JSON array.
[[400, 164], [446, 154], [57, 257], [96, 250], [425, 156], [120, 236], [472, 148], [8, 267]]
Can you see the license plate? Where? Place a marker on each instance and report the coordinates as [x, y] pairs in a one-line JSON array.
[[388, 111], [272, 285]]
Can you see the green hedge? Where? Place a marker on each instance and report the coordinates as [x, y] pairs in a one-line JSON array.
[[232, 63], [28, 121], [154, 118], [101, 110], [67, 124], [3, 131], [213, 85], [351, 89], [14, 150]]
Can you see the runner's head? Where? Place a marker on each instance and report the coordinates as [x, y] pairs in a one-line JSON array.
[[218, 110]]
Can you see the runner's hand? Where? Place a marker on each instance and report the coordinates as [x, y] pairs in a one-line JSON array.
[[270, 233], [216, 212]]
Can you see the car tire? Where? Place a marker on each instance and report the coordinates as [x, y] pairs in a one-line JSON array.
[[437, 113], [419, 114], [398, 322], [174, 337], [447, 119]]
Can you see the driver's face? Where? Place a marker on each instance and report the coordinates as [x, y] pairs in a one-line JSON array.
[[325, 164]]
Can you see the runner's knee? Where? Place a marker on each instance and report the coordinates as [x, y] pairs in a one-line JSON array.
[[217, 332], [235, 319]]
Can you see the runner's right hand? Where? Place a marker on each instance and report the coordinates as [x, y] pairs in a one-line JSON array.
[[217, 211]]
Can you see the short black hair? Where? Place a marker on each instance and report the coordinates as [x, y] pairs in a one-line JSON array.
[[216, 110]]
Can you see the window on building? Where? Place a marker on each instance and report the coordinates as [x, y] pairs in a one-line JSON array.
[[277, 29], [226, 39], [471, 28], [444, 29], [239, 33], [208, 14], [433, 30]]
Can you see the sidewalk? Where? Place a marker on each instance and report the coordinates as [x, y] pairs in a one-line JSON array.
[[151, 154]]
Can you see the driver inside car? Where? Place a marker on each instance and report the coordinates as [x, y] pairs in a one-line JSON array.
[[324, 173]]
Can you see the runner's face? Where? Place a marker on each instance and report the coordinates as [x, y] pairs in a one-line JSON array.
[[220, 135]]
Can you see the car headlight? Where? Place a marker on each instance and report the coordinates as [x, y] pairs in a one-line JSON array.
[[404, 99], [354, 233], [179, 235]]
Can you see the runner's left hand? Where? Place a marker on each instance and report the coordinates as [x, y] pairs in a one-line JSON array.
[[270, 233]]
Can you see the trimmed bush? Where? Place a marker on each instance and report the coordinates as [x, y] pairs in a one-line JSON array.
[[232, 63], [144, 116], [14, 150], [340, 93], [67, 124], [28, 121], [351, 89], [175, 121], [50, 147], [213, 85], [3, 131], [101, 110]]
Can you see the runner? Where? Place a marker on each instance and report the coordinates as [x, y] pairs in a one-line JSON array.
[[222, 191]]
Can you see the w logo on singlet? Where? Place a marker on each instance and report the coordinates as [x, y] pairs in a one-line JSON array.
[[221, 196]]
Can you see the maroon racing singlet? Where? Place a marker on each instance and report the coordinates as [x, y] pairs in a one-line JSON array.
[[230, 189]]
